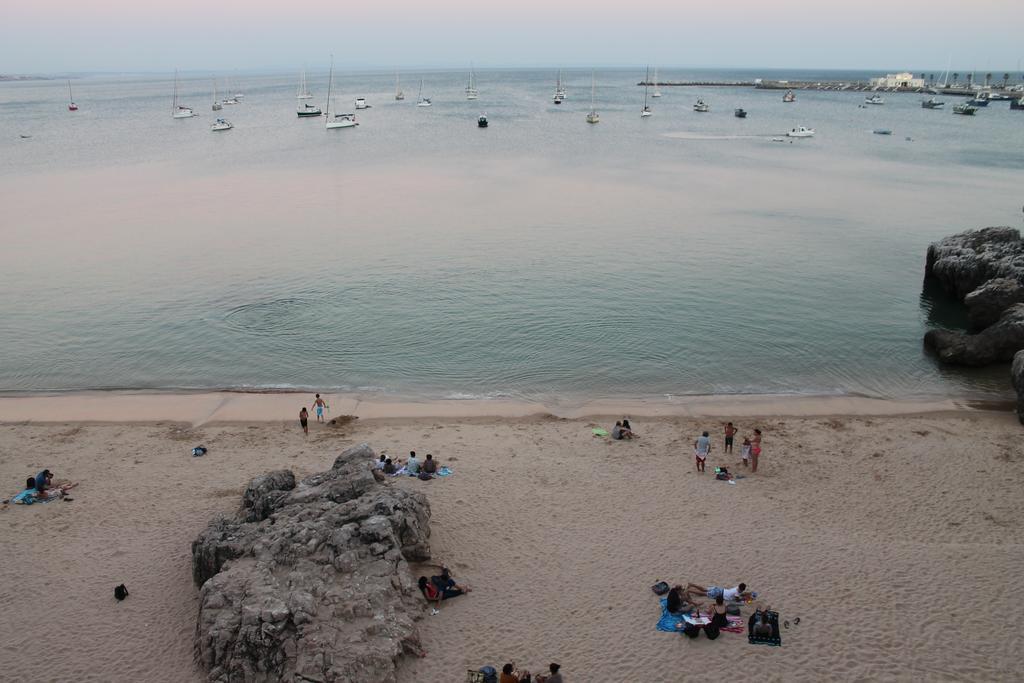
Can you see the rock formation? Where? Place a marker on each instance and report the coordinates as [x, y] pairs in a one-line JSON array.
[[995, 344], [1017, 376], [965, 261], [986, 303], [309, 581]]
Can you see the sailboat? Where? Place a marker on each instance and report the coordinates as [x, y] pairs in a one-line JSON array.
[[216, 103], [221, 124], [656, 93], [471, 92], [399, 95], [303, 91], [179, 111], [339, 120], [423, 101], [559, 89], [71, 100], [593, 116], [646, 111]]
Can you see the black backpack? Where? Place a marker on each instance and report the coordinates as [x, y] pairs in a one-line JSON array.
[[121, 592]]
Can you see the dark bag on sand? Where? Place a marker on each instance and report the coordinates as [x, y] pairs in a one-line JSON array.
[[424, 476], [121, 592], [711, 631], [660, 588], [490, 674], [691, 631]]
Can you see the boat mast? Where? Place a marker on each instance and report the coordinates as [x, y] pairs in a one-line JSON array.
[[647, 80], [591, 91], [330, 86], [174, 104], [70, 97]]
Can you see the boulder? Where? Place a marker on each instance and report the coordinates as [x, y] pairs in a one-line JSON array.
[[995, 344], [986, 303], [310, 581], [965, 261], [1017, 376]]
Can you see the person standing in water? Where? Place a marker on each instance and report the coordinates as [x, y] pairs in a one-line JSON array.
[[304, 420], [319, 405], [730, 432]]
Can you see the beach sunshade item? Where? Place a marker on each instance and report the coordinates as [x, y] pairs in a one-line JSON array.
[[599, 432]]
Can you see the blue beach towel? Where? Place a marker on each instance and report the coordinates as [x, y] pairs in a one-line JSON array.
[[670, 623], [444, 472]]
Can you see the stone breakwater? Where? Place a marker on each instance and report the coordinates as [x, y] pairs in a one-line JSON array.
[[309, 581], [983, 269]]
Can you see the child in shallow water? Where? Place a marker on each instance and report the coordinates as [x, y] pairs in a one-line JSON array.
[[745, 451]]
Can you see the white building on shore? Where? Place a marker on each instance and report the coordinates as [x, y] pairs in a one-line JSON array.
[[903, 80]]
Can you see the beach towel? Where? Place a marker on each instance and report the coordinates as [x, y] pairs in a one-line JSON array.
[[30, 496], [674, 623], [400, 472], [599, 432], [444, 472], [776, 637]]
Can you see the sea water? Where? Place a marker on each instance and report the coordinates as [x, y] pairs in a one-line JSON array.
[[542, 257]]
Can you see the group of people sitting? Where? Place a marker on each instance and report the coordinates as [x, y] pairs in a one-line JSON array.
[[441, 587], [41, 488], [510, 674], [623, 430], [413, 467], [684, 601]]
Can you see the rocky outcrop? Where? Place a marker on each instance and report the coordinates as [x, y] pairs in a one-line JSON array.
[[309, 581], [995, 344], [965, 261], [986, 303], [1017, 375]]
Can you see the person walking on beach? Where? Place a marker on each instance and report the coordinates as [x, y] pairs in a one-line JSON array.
[[304, 420], [319, 404], [730, 432], [755, 450], [701, 448]]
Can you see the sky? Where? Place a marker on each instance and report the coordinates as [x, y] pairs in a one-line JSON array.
[[58, 36]]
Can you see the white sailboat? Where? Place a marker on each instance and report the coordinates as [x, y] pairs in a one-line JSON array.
[[71, 99], [339, 120], [179, 111], [216, 103], [593, 116], [471, 92], [399, 95], [646, 111], [656, 93], [423, 101], [303, 91], [559, 89]]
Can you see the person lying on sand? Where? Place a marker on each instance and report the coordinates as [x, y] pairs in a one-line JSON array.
[[739, 593]]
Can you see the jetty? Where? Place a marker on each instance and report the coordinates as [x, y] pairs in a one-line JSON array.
[[956, 89]]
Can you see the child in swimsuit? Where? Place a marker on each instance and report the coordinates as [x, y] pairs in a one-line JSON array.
[[745, 452]]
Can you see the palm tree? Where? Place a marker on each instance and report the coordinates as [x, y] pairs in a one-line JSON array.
[[1006, 80], [956, 77], [988, 79], [970, 80]]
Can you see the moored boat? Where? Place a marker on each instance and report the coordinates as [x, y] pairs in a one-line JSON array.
[[790, 96], [481, 121], [965, 109], [701, 106], [306, 110], [932, 103], [800, 132], [740, 113], [874, 99], [221, 124]]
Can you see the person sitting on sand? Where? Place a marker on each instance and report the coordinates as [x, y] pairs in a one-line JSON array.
[[738, 593], [412, 466], [43, 480], [627, 430], [442, 587], [701, 448], [719, 616], [555, 676], [379, 464], [509, 674], [617, 431], [391, 467], [678, 601], [430, 465]]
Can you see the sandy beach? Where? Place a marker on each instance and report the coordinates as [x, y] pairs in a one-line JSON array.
[[894, 531]]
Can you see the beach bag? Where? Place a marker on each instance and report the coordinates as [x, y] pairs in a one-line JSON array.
[[490, 674], [711, 631], [660, 588], [198, 451], [424, 476], [120, 592]]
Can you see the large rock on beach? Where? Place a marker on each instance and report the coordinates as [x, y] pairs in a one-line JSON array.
[[995, 344], [1017, 376], [986, 304], [965, 261], [309, 581]]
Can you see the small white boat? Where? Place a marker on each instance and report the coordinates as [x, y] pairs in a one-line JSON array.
[[874, 99], [221, 124], [800, 132], [303, 92], [559, 89], [789, 96], [230, 100], [399, 95], [423, 101], [646, 111], [307, 110], [701, 107], [361, 103], [932, 103], [179, 111], [471, 91], [592, 116], [656, 93], [965, 109], [338, 120], [71, 100]]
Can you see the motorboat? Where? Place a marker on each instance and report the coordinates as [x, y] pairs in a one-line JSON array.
[[740, 113], [998, 97], [882, 131], [874, 99], [230, 100], [979, 100], [221, 124], [1017, 104], [932, 103], [789, 96], [306, 110], [801, 132], [701, 107], [361, 103], [481, 121], [965, 109], [342, 121]]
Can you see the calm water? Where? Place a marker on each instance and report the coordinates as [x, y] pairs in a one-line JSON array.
[[539, 258]]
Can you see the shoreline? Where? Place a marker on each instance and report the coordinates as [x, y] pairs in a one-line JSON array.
[[213, 407]]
